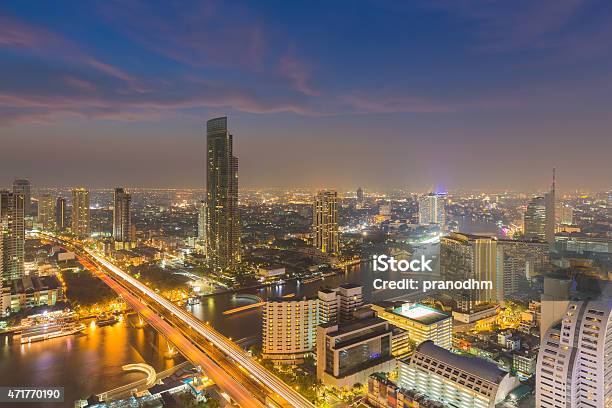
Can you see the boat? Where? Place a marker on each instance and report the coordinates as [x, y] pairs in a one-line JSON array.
[[106, 321], [50, 331]]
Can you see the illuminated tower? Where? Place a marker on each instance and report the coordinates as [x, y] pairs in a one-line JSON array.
[[80, 212], [222, 222], [535, 219], [550, 204], [201, 244], [122, 219], [60, 213], [431, 209], [325, 222], [12, 230], [46, 211], [23, 187]]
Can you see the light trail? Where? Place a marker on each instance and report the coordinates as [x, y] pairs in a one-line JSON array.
[[221, 342]]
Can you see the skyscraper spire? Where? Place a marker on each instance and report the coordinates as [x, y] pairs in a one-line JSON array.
[[553, 180]]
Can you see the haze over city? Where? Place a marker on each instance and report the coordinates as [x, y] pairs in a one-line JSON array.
[[427, 95]]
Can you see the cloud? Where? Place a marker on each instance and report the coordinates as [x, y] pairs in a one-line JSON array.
[[298, 74]]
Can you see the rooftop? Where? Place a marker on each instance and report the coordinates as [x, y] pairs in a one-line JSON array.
[[420, 313]]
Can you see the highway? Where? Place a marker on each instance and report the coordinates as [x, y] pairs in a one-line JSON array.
[[277, 388]]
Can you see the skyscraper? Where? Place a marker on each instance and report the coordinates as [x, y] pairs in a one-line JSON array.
[[517, 262], [60, 213], [574, 364], [325, 222], [23, 187], [122, 218], [80, 212], [13, 234], [359, 195], [431, 209], [535, 219], [46, 211], [223, 226]]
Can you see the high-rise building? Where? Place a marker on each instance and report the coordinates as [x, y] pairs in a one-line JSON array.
[[464, 257], [453, 379], [122, 219], [348, 354], [574, 367], [565, 214], [325, 222], [223, 226], [432, 209], [201, 241], [421, 322], [60, 213], [289, 329], [328, 305], [13, 234], [23, 187], [535, 219], [80, 213], [359, 195], [350, 298], [518, 261], [46, 211]]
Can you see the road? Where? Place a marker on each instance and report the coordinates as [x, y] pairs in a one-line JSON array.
[[142, 296]]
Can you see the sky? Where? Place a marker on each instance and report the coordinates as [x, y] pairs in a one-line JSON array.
[[424, 95]]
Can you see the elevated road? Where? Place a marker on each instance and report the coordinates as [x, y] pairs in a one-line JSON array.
[[277, 389]]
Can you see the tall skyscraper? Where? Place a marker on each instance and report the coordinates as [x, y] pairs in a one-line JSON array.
[[13, 234], [80, 212], [432, 210], [574, 366], [201, 243], [535, 219], [23, 187], [359, 195], [46, 211], [122, 219], [325, 222], [223, 225], [60, 213], [517, 262]]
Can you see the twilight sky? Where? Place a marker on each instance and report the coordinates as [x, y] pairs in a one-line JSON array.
[[424, 94]]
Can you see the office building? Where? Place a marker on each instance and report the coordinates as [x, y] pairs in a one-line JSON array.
[[359, 195], [565, 214], [464, 257], [60, 213], [421, 322], [348, 354], [350, 298], [223, 226], [518, 261], [454, 380], [289, 329], [46, 212], [23, 187], [432, 209], [328, 305], [325, 222], [535, 219], [13, 234], [574, 368], [122, 219], [80, 213]]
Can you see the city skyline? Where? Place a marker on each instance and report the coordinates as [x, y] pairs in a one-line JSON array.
[[511, 94]]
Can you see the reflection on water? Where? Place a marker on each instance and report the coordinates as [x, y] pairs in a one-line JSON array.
[[85, 364]]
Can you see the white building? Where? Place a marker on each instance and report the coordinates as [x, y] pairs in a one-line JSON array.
[[289, 329], [574, 366], [454, 380], [431, 209]]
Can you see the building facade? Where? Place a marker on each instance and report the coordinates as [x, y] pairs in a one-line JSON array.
[[24, 187], [223, 225], [81, 226], [60, 213], [122, 219], [432, 209], [326, 236], [12, 228], [46, 212]]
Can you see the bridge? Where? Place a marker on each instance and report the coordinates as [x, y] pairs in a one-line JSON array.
[[230, 367]]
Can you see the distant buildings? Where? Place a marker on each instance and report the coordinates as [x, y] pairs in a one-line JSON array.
[[348, 354], [12, 234], [201, 241], [31, 291], [574, 367], [325, 222], [46, 211], [23, 187], [422, 323], [432, 209], [535, 219], [517, 262], [81, 226], [60, 213], [454, 380], [289, 329], [122, 219], [359, 196], [222, 218]]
